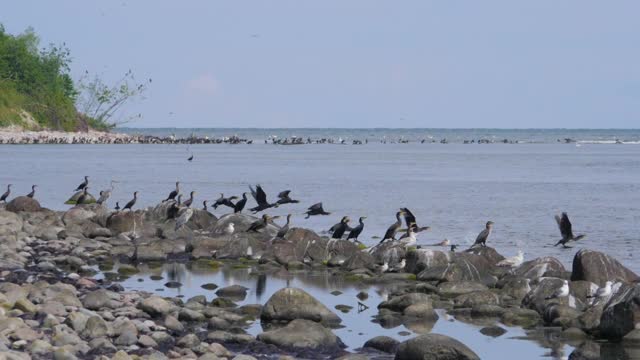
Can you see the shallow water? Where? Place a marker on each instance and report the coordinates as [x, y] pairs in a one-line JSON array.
[[358, 326], [454, 188]]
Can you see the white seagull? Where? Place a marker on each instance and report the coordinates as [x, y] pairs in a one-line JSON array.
[[562, 291], [602, 292], [229, 229], [513, 261]]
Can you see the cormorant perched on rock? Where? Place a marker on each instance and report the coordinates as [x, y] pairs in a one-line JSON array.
[[117, 208], [189, 201], [409, 219], [83, 185], [33, 191], [173, 210], [284, 229], [316, 209], [261, 198], [261, 224], [83, 196], [454, 247], [341, 228], [185, 215], [132, 202], [6, 194], [565, 230], [484, 235], [335, 226], [204, 205], [174, 193], [239, 206], [356, 231], [283, 198], [225, 201], [393, 229]]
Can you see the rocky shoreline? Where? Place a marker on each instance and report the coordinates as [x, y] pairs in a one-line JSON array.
[[53, 306], [97, 137]]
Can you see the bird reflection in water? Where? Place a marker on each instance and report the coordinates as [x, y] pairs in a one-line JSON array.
[[261, 286]]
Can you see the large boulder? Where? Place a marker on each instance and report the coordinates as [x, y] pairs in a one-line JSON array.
[[201, 220], [537, 268], [23, 203], [542, 295], [73, 200], [303, 334], [288, 304], [155, 306], [489, 253], [82, 213], [463, 267], [10, 223], [422, 259], [434, 347], [622, 313], [599, 268], [242, 245], [400, 303], [390, 253], [125, 221], [359, 260]]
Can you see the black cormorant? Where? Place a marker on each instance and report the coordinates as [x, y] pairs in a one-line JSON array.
[[341, 228], [565, 230], [454, 247], [190, 158], [283, 198], [261, 224], [316, 209], [82, 196], [261, 198], [393, 229], [225, 201], [173, 210], [132, 202], [356, 231], [204, 205], [189, 201], [284, 229], [33, 191], [174, 193], [409, 219], [6, 194], [484, 235], [83, 185], [239, 206], [117, 208]]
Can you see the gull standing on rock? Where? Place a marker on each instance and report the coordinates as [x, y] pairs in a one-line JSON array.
[[562, 291], [602, 292], [513, 261], [229, 229], [6, 194]]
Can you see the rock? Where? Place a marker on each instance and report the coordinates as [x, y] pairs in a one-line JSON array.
[[556, 314], [537, 268], [537, 298], [189, 315], [95, 327], [125, 221], [25, 306], [420, 310], [359, 260], [516, 288], [63, 354], [599, 268], [23, 203], [621, 313], [233, 292], [77, 321], [399, 303], [434, 347], [588, 350], [209, 286], [101, 298], [487, 310], [40, 347], [454, 289], [121, 355], [525, 318], [476, 298], [288, 304], [147, 341], [127, 338], [574, 333], [487, 252], [383, 343], [173, 284], [173, 324], [188, 341], [493, 331], [155, 306], [304, 334]]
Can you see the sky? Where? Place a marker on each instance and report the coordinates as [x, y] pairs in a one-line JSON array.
[[357, 63]]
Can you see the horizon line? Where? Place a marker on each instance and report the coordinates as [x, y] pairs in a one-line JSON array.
[[368, 128]]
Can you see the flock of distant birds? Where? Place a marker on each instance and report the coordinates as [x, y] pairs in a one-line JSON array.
[[182, 211]]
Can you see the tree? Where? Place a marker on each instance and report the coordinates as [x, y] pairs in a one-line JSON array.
[[103, 103]]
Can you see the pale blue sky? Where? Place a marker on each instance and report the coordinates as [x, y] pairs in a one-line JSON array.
[[358, 63]]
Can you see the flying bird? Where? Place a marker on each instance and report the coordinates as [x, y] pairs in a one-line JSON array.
[[261, 198], [316, 209], [283, 198], [565, 230]]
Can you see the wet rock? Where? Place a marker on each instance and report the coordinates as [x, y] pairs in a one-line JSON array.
[[233, 292], [487, 252], [155, 306], [172, 323], [556, 314], [95, 327], [173, 284], [461, 267], [476, 298], [303, 334], [399, 303], [539, 267], [23, 203], [383, 343], [493, 331], [487, 310], [542, 295], [189, 315], [516, 288], [597, 267], [622, 313], [101, 298], [525, 318], [288, 304], [573, 333], [359, 260], [390, 252], [147, 341], [586, 351], [362, 296], [420, 310], [436, 347], [209, 286], [454, 289], [188, 341]]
